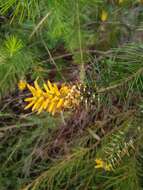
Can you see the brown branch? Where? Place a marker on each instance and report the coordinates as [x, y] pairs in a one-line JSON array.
[[78, 52]]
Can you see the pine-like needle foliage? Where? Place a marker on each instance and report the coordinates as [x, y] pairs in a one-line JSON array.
[[20, 9], [15, 62]]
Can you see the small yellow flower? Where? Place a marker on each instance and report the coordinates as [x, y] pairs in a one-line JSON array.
[[51, 98], [22, 85], [120, 1], [102, 164], [38, 69], [104, 15]]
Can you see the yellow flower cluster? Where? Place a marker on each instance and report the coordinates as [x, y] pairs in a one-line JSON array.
[[22, 85], [121, 1], [51, 98], [104, 15], [102, 164]]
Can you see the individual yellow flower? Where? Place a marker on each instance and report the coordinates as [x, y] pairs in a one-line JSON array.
[[51, 98], [22, 85], [120, 1], [38, 69], [102, 164], [104, 15]]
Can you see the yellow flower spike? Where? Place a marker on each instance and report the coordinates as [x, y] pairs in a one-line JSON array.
[[104, 15], [120, 1], [50, 109], [64, 90], [99, 166], [60, 103], [37, 86], [102, 164], [46, 104], [37, 104], [99, 163], [29, 105], [108, 167], [50, 86], [22, 85], [32, 89], [46, 88], [56, 89], [40, 109], [51, 98]]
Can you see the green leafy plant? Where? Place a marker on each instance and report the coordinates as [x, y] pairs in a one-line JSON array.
[[22, 9], [15, 62], [13, 45]]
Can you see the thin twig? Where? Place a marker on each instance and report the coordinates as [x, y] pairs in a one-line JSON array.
[[78, 52], [15, 126], [39, 24], [82, 70], [52, 59]]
